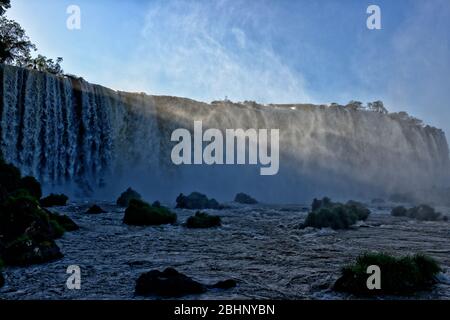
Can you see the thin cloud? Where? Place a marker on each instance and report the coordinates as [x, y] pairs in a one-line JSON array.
[[200, 50]]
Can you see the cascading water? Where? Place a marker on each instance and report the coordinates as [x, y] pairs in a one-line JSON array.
[[73, 135]]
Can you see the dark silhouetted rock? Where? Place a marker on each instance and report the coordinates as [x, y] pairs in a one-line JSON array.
[[127, 196], [32, 186], [27, 232], [317, 204], [22, 215], [244, 199], [169, 283], [227, 284], [203, 220], [64, 221], [95, 209], [9, 176], [196, 200], [25, 251], [399, 211], [424, 213], [156, 204], [400, 276], [54, 200], [141, 213], [2, 280]]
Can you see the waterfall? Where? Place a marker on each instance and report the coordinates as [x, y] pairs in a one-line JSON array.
[[73, 135]]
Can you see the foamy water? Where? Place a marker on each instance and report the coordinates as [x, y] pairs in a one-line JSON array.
[[259, 246]]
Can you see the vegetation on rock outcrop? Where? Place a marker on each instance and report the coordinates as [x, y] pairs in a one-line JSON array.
[[141, 213], [422, 212], [198, 201], [327, 214], [203, 220], [27, 231], [399, 276], [127, 196]]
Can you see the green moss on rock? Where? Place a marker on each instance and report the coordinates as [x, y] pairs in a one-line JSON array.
[[25, 251], [399, 276], [327, 214], [22, 214], [422, 212], [198, 201], [27, 231], [141, 213], [64, 221], [203, 220], [127, 196]]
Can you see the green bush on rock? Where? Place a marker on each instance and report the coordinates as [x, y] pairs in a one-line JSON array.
[[324, 203], [127, 196], [20, 215], [327, 214], [25, 251], [54, 200], [198, 201], [399, 276], [422, 212], [64, 221], [141, 213], [27, 231], [203, 220]]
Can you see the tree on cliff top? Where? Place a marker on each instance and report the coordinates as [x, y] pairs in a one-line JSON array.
[[4, 5], [42, 63], [355, 105], [16, 47], [377, 106]]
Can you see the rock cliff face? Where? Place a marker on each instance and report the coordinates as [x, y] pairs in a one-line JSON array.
[[74, 135]]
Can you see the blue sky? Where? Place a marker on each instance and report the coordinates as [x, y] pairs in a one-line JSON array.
[[268, 51]]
